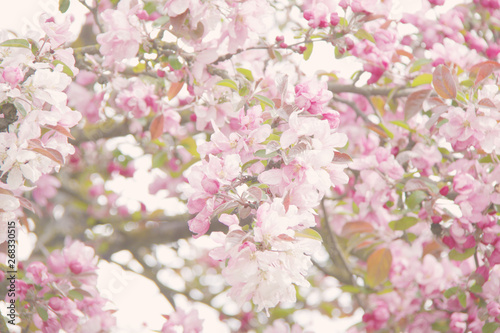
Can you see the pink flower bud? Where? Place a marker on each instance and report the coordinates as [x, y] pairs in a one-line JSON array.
[[75, 267], [302, 49], [142, 15], [283, 45], [436, 219], [280, 38], [12, 75], [308, 15], [349, 43], [493, 309], [444, 190], [334, 19], [56, 303]]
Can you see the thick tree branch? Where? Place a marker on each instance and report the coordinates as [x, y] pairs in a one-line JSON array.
[[368, 91]]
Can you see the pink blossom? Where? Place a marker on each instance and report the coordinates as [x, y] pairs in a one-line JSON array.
[[312, 96], [76, 256], [12, 75], [189, 321], [46, 189], [139, 99], [122, 39], [37, 271], [58, 33]]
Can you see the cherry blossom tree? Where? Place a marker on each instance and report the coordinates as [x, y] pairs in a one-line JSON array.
[[382, 186]]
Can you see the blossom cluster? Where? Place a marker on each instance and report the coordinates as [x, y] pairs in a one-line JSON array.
[[62, 293], [35, 119], [272, 182]]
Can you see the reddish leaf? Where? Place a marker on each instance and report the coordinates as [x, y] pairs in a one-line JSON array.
[[443, 82], [174, 89], [4, 191], [487, 102], [255, 192], [402, 52], [26, 203], [378, 267], [341, 157], [156, 127], [484, 69], [414, 102], [277, 102], [286, 202], [377, 130], [415, 185], [62, 130], [57, 156], [356, 227], [431, 248], [53, 154], [286, 237], [24, 222]]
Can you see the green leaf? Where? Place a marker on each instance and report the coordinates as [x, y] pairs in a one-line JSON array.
[[307, 53], [159, 159], [249, 164], [139, 68], [457, 256], [63, 6], [422, 79], [414, 200], [16, 43], [450, 292], [228, 83], [150, 7], [75, 294], [401, 124], [411, 237], [461, 97], [264, 101], [467, 83], [355, 208], [403, 223], [42, 312], [278, 55], [262, 154], [162, 20], [386, 130], [190, 144], [417, 65], [462, 298], [20, 108], [66, 70], [476, 289], [350, 289], [441, 326], [309, 233], [363, 34], [174, 62], [243, 91], [48, 296], [490, 327], [246, 73], [486, 159], [343, 22]]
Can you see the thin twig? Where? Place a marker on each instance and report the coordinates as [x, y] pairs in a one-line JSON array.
[[335, 251], [95, 14], [353, 106]]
